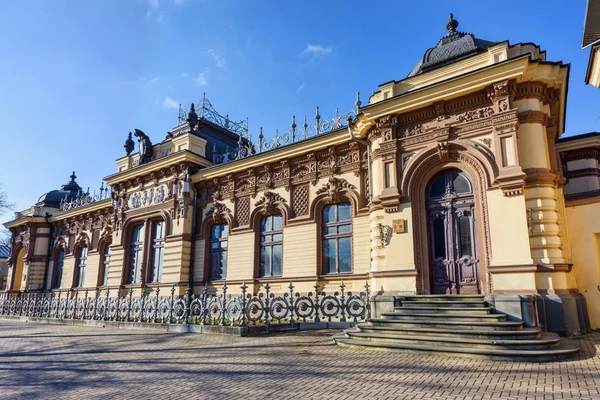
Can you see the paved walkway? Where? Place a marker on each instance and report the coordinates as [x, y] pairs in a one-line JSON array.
[[41, 361]]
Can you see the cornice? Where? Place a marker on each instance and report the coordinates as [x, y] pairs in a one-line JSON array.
[[277, 155], [144, 169], [88, 208]]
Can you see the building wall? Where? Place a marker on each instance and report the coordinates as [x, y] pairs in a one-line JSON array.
[[584, 231]]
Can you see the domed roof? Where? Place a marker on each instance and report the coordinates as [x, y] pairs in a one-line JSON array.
[[452, 47], [67, 192]]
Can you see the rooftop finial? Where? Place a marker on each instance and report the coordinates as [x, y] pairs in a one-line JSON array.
[[451, 25], [73, 177]]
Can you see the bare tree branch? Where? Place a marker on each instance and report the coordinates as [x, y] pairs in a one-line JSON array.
[[4, 204]]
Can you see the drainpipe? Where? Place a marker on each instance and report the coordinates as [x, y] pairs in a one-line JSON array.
[[366, 143], [49, 253]]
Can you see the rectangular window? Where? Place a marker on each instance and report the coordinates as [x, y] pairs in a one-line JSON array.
[[58, 269], [105, 263], [219, 235], [158, 250], [81, 261], [337, 239], [136, 247], [271, 245]]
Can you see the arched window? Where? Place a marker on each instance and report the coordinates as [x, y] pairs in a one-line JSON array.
[[219, 235], [59, 262], [158, 249], [337, 238], [449, 182], [136, 248], [79, 276], [271, 243], [103, 280]]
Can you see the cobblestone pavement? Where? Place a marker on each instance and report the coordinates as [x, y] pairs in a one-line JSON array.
[[53, 361]]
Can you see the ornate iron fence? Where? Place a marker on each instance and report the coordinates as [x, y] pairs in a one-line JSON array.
[[246, 147], [208, 308]]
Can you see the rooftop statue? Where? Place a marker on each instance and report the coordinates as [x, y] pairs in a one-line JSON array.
[[129, 144], [145, 146], [192, 118]]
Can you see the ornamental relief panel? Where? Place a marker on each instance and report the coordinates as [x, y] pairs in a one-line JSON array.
[[147, 197], [307, 168]]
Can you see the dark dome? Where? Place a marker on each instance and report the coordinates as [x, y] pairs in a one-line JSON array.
[[451, 48], [66, 192]]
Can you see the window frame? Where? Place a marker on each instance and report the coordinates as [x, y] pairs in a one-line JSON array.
[[55, 282], [336, 236], [270, 244], [136, 247], [104, 264], [80, 266], [220, 250], [155, 272]]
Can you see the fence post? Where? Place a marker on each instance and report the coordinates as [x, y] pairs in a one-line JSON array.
[[156, 304], [343, 300], [317, 319], [118, 305], [75, 305], [105, 305], [224, 303], [204, 305], [368, 301], [291, 304], [95, 316], [267, 289], [85, 301], [143, 303], [172, 304], [129, 305], [186, 311], [243, 287]]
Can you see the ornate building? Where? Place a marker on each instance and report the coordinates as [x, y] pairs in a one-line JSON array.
[[452, 180]]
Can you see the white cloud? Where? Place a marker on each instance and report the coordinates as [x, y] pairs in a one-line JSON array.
[[155, 79], [185, 75], [301, 87], [219, 60], [202, 79], [170, 104], [316, 50]]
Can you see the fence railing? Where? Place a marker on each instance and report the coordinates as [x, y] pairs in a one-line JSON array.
[[208, 308]]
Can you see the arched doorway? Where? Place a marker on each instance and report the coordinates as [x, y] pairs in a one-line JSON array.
[[452, 247], [17, 276]]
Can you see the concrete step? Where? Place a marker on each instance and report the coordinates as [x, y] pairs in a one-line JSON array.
[[446, 298], [462, 325], [399, 316], [426, 308], [444, 304], [545, 341], [521, 334], [563, 350]]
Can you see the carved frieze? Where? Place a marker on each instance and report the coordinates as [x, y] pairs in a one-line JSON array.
[[218, 211], [533, 117], [148, 197], [268, 202]]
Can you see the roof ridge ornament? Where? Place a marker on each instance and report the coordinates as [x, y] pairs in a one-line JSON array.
[[451, 25]]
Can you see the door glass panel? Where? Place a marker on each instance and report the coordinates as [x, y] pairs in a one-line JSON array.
[[464, 230], [439, 238], [461, 184], [437, 186]]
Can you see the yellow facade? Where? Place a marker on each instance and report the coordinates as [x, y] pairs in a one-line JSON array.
[[492, 119]]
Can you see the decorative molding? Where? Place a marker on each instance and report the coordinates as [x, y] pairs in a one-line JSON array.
[[334, 189], [218, 211], [268, 202], [533, 117]]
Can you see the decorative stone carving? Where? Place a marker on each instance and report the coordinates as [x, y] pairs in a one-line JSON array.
[[242, 214], [218, 211], [334, 189], [268, 202], [476, 114], [442, 150]]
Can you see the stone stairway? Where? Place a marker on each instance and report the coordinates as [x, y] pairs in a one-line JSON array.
[[455, 325]]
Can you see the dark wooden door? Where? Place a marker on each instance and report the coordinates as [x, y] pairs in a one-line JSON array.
[[454, 267]]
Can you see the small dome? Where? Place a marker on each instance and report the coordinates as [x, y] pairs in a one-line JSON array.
[[451, 48], [67, 192]]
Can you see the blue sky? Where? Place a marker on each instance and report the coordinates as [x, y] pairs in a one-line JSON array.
[[77, 76]]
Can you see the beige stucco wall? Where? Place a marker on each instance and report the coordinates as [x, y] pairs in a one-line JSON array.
[[584, 229]]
